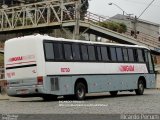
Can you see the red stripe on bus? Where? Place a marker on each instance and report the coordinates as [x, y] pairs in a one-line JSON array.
[[21, 63]]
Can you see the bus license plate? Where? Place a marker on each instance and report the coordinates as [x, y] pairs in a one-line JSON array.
[[24, 91]]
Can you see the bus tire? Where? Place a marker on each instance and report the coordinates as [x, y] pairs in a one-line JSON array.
[[113, 93], [80, 91], [49, 97], [140, 89]]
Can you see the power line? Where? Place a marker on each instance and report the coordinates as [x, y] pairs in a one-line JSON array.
[[146, 9], [136, 2], [140, 3]]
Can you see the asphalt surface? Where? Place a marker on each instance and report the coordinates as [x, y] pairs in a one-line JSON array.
[[95, 104], [103, 103]]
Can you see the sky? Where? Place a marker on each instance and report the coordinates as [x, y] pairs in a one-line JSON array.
[[134, 7]]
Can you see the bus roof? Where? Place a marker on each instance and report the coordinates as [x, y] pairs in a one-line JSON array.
[[46, 37]]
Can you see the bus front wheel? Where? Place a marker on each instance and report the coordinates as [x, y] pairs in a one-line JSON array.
[[140, 89], [80, 91]]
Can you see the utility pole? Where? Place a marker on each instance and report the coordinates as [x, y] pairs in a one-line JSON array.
[[79, 5], [77, 20], [136, 19], [135, 27]]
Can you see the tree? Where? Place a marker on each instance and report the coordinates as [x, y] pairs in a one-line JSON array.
[[84, 8], [122, 28], [115, 26]]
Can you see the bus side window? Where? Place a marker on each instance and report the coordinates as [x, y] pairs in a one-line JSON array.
[[150, 63], [119, 54], [49, 54], [140, 55], [84, 52], [135, 55], [113, 53], [98, 50], [68, 51], [130, 54], [91, 53], [146, 56], [125, 54], [58, 51], [76, 52], [104, 52]]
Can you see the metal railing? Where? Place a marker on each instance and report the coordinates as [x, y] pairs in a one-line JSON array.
[[91, 17], [145, 38], [141, 37]]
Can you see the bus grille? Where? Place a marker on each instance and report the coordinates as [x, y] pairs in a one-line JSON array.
[[54, 84]]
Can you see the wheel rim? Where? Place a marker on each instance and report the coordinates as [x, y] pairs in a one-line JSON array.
[[141, 88], [80, 92]]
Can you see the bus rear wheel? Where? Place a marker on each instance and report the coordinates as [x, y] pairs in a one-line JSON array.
[[49, 97], [113, 93], [80, 91], [140, 89]]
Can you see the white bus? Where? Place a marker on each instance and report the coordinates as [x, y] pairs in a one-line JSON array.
[[48, 67]]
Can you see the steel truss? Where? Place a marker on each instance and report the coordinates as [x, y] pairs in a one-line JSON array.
[[37, 14]]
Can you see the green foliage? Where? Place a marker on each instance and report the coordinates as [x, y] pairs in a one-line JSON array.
[[84, 8], [115, 26], [85, 5]]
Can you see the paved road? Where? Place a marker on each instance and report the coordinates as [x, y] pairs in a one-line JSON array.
[[125, 102]]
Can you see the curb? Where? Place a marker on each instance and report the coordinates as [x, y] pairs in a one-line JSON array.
[[4, 97]]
